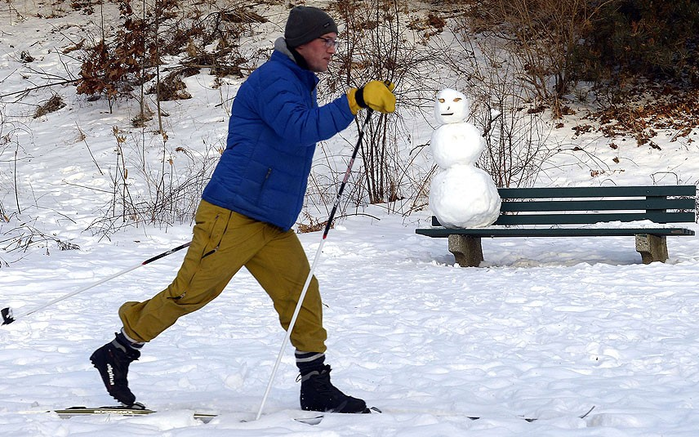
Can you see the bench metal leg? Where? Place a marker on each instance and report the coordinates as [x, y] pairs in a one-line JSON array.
[[652, 248], [466, 249]]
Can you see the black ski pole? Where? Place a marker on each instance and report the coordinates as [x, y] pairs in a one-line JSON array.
[[8, 318]]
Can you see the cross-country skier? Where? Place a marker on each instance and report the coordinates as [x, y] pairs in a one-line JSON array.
[[252, 200]]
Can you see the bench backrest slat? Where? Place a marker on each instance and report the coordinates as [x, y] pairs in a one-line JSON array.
[[582, 219], [589, 205], [630, 191], [598, 205]]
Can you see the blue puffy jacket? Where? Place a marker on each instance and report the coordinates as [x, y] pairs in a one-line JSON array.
[[272, 134]]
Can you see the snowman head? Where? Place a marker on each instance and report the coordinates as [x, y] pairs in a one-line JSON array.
[[451, 106]]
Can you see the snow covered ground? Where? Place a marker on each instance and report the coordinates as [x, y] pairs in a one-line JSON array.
[[547, 328], [551, 329]]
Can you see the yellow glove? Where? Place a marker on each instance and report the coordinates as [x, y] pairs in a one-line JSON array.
[[375, 95]]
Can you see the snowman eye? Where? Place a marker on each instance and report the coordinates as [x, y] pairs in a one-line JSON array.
[[441, 100], [458, 99]]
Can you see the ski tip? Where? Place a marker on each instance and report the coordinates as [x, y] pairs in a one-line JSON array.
[[588, 412], [314, 420], [7, 316]]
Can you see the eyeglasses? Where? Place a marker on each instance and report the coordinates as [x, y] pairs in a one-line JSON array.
[[329, 42]]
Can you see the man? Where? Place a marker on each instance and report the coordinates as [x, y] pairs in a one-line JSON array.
[[248, 207]]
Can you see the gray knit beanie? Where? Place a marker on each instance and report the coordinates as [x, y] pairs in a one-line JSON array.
[[307, 23]]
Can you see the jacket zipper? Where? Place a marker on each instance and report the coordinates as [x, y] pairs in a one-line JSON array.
[[264, 182]]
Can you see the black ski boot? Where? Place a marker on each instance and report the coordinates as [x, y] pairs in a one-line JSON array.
[[112, 361], [318, 394]]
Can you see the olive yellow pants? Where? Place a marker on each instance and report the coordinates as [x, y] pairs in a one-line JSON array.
[[223, 242]]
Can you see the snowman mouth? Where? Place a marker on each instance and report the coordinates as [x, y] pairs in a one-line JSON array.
[[447, 113]]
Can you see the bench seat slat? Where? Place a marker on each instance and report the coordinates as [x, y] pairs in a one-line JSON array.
[[553, 232]]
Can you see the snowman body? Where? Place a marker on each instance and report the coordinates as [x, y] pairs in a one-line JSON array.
[[456, 143], [461, 194]]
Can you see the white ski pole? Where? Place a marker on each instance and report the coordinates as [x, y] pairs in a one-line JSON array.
[[8, 318]]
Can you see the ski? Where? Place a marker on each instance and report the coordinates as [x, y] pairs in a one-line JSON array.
[[67, 413], [454, 414], [123, 411]]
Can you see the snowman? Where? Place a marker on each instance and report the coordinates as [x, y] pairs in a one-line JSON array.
[[461, 195]]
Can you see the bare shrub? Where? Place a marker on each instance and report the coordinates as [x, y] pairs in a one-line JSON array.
[[24, 237], [126, 62], [542, 34], [161, 195], [503, 108], [5, 139], [18, 232], [173, 87], [115, 64], [10, 149], [128, 53], [53, 104], [656, 41], [377, 44]]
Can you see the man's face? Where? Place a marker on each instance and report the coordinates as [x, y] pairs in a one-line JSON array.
[[318, 52]]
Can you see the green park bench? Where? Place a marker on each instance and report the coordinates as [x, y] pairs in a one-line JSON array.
[[580, 212]]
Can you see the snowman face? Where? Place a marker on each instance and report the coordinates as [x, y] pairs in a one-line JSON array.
[[451, 106]]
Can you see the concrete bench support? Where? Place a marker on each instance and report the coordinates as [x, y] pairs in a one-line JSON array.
[[466, 249], [652, 248]]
